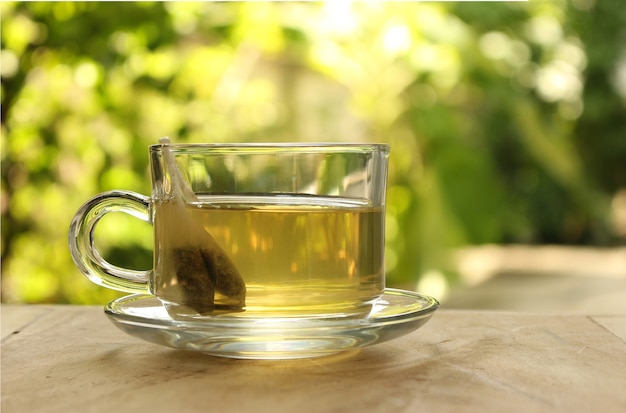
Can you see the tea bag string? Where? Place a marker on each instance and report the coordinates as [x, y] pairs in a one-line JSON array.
[[181, 191]]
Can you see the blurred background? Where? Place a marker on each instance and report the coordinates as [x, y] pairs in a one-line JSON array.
[[507, 123]]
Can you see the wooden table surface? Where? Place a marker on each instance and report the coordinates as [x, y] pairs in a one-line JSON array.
[[72, 359]]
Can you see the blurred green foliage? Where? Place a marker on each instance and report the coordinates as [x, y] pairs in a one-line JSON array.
[[506, 120]]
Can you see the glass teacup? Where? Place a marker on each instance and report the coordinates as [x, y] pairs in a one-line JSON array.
[[263, 230]]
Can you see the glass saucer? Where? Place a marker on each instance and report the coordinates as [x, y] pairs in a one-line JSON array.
[[395, 314]]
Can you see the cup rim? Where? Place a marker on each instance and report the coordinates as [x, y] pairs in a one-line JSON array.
[[276, 146]]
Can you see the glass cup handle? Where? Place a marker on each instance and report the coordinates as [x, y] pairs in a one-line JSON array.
[[83, 249]]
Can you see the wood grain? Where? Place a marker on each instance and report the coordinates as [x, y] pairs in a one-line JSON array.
[[72, 359]]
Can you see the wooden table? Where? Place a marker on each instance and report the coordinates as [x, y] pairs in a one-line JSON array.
[[72, 359]]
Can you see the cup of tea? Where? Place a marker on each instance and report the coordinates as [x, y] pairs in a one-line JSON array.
[[263, 229]]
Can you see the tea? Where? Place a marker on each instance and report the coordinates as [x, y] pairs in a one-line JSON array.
[[296, 255]]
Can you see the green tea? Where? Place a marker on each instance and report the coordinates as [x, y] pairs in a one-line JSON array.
[[295, 255]]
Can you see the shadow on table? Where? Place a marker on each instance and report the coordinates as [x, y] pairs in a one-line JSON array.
[[166, 375]]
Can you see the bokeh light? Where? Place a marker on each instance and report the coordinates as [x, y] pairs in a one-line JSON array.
[[506, 120]]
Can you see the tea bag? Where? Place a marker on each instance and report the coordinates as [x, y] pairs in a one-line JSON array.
[[202, 268]]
